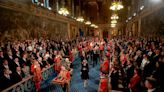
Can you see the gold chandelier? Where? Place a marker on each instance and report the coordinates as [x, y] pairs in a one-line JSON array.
[[63, 11], [113, 21], [80, 19], [93, 25], [113, 25], [114, 17], [88, 22], [116, 5]]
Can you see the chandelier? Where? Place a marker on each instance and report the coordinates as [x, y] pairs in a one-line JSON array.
[[113, 25], [93, 25], [88, 22], [114, 17], [116, 5], [80, 19], [63, 11], [113, 21]]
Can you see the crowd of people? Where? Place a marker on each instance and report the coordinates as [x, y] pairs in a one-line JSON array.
[[137, 64], [21, 59]]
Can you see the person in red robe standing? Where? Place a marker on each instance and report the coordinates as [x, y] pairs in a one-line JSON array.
[[104, 67], [57, 61], [108, 55], [36, 70], [71, 58], [103, 85]]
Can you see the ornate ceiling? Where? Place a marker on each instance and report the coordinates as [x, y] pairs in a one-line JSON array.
[[98, 10]]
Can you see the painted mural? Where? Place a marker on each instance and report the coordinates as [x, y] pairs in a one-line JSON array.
[[19, 26]]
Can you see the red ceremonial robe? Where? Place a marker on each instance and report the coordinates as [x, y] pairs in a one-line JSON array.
[[104, 68], [103, 86]]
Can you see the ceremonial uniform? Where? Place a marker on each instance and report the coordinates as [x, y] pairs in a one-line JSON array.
[[36, 70]]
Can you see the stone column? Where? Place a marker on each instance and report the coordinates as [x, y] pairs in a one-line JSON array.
[[77, 11], [133, 29], [69, 31], [72, 8], [139, 27], [69, 6], [57, 5]]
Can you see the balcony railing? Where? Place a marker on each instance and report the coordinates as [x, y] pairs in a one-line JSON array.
[[27, 84]]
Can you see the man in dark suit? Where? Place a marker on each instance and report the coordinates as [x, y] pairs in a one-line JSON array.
[[1, 57], [129, 71], [24, 60], [151, 85], [18, 75], [147, 69], [156, 56], [6, 80], [15, 64], [10, 58], [114, 78], [4, 65]]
